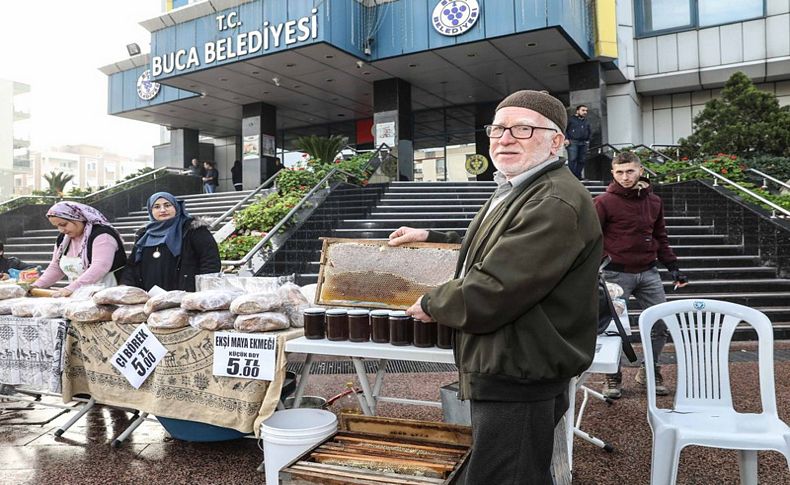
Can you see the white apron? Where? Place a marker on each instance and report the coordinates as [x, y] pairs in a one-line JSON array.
[[73, 269]]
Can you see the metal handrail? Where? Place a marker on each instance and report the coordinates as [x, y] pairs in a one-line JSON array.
[[620, 150], [232, 210], [766, 176], [92, 196], [752, 194], [275, 230]]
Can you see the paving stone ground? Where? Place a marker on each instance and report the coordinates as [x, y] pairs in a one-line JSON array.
[[30, 454]]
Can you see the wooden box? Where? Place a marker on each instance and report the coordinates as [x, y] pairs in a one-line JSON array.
[[370, 450], [369, 273]]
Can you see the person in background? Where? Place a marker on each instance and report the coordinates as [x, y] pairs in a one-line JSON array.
[[195, 169], [211, 179], [278, 165], [7, 263], [523, 302], [635, 237], [172, 249], [578, 133], [236, 175], [88, 251]]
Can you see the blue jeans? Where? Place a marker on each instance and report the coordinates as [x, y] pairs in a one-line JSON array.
[[577, 154], [648, 290], [209, 188]]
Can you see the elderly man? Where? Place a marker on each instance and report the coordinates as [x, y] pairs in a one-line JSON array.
[[524, 300]]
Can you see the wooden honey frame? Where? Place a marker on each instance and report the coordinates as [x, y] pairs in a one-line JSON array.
[[328, 241]]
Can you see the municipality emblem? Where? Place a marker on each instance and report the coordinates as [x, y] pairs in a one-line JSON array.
[[476, 164], [455, 17], [146, 88]]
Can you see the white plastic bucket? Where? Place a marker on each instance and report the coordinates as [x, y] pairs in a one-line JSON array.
[[289, 433]]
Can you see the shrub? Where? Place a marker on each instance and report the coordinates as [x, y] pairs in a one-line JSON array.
[[745, 122]]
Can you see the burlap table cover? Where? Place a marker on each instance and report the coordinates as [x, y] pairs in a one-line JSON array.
[[182, 386]]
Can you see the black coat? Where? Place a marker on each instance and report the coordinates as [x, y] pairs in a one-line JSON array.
[[11, 262], [199, 255]]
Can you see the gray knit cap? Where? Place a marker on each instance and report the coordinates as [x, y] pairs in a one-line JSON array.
[[544, 103]]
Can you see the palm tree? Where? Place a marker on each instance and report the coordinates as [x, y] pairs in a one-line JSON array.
[[57, 182], [320, 147]]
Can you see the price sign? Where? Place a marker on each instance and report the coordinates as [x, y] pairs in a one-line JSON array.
[[138, 356], [244, 355]]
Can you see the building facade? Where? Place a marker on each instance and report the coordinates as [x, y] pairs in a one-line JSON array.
[[91, 167], [14, 136], [243, 80]]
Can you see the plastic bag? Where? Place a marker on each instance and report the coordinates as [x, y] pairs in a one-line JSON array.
[[121, 295], [39, 307], [256, 303], [27, 276], [8, 291], [243, 284], [130, 314], [261, 322], [294, 302], [170, 318], [5, 305], [170, 299], [86, 311], [615, 290], [211, 300], [219, 320]]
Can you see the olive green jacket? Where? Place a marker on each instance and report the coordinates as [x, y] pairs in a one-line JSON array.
[[526, 306]]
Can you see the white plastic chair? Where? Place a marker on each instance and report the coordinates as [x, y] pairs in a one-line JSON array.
[[703, 413]]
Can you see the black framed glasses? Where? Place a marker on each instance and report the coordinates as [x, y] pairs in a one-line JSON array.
[[522, 132]]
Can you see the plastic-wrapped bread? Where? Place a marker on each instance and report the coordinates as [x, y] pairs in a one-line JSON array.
[[5, 305], [121, 295], [256, 303], [130, 314], [170, 299], [218, 320], [39, 307], [293, 303], [615, 290], [261, 322], [210, 300], [169, 318], [86, 311], [8, 291]]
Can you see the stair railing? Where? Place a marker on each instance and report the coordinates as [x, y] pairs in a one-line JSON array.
[[763, 200], [90, 198], [247, 259], [767, 177], [228, 213], [615, 149]]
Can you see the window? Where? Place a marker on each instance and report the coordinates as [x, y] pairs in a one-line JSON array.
[[715, 12], [661, 16], [658, 15]]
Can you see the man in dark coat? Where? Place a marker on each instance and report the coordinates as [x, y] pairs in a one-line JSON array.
[[524, 302], [578, 134], [635, 237]]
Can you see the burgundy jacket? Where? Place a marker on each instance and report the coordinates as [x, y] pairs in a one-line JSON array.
[[634, 231]]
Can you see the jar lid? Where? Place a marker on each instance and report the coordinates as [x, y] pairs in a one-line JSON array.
[[315, 310], [359, 312], [398, 314], [380, 313], [336, 311]]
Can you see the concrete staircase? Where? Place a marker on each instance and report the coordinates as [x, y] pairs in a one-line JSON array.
[[715, 268], [35, 246]]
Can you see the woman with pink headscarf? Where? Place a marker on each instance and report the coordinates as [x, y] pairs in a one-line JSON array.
[[88, 250]]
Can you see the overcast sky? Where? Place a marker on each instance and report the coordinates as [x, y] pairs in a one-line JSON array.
[[57, 47]]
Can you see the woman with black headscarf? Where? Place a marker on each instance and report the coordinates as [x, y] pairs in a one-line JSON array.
[[171, 249]]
